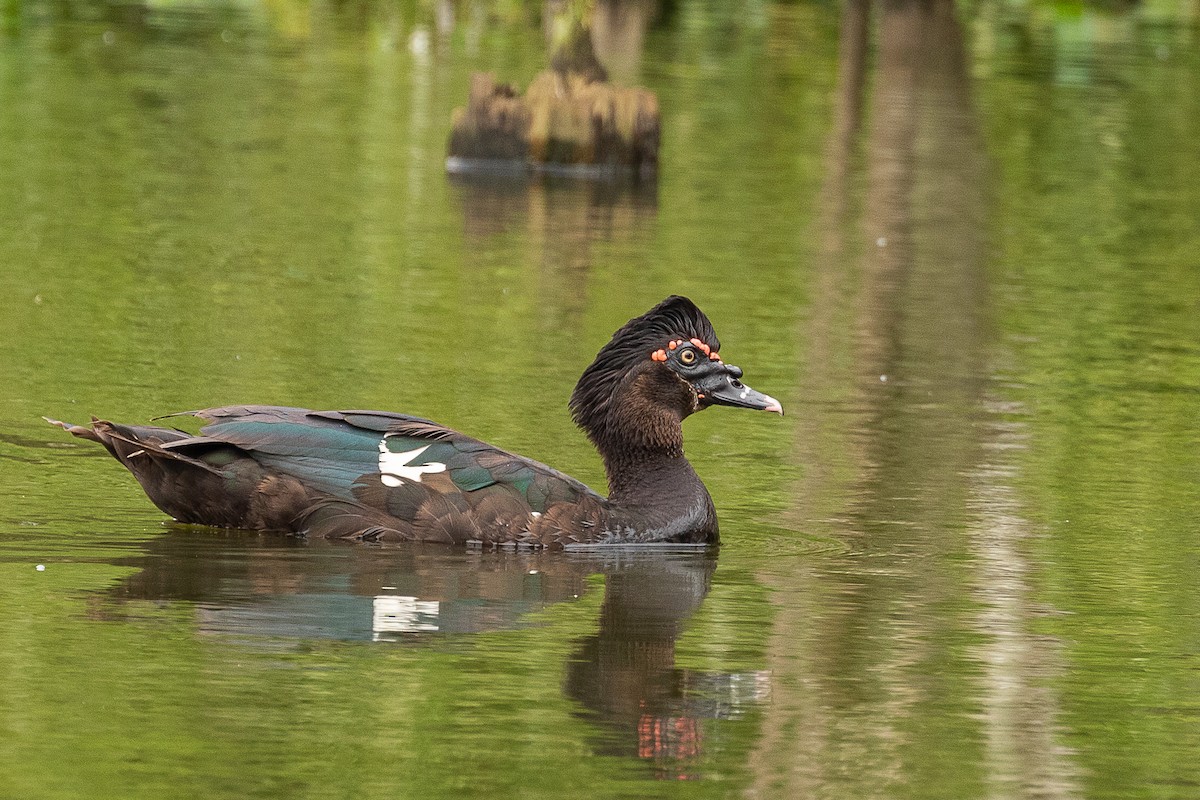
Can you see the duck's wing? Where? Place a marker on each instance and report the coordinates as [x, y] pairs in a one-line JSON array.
[[383, 475]]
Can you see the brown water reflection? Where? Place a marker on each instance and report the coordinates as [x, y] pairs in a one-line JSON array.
[[921, 490], [554, 212]]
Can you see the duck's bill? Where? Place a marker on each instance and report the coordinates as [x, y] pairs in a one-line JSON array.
[[729, 391]]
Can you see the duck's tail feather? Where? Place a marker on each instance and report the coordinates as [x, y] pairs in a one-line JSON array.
[[232, 492], [129, 442]]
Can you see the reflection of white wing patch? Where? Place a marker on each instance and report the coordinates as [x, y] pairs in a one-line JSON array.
[[397, 614], [396, 467]]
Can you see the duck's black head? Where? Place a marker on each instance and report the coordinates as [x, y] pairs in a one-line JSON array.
[[658, 369]]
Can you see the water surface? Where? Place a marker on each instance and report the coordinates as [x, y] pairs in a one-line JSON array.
[[959, 243]]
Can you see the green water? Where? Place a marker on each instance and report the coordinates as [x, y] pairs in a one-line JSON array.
[[960, 243]]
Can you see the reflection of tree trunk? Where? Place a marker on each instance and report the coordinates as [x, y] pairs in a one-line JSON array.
[[619, 33], [615, 32], [834, 208], [1020, 710], [854, 651], [561, 220]]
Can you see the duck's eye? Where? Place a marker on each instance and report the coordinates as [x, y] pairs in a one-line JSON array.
[[687, 357]]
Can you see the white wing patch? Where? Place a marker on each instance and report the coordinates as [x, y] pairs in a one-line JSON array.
[[396, 468]]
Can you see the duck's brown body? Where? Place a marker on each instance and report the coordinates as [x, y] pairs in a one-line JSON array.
[[379, 476]]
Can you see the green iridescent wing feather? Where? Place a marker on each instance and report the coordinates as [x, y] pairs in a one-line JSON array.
[[338, 453]]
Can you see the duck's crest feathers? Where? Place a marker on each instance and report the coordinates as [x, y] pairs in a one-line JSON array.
[[676, 317]]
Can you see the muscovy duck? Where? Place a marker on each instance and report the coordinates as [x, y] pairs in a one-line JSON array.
[[379, 476]]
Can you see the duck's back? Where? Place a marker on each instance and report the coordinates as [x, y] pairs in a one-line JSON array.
[[358, 474]]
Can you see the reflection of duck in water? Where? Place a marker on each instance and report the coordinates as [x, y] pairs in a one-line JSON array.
[[248, 584], [380, 476], [625, 675], [268, 590]]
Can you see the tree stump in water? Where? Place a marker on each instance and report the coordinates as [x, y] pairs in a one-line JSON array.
[[566, 121]]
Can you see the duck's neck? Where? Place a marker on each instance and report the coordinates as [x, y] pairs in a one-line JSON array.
[[640, 474], [654, 492]]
